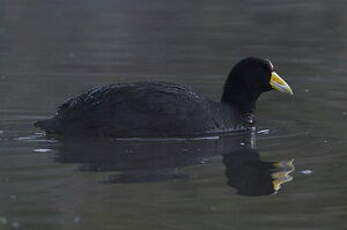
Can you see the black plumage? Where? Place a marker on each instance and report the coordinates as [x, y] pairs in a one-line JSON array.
[[161, 109]]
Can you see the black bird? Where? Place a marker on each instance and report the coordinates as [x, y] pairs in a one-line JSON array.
[[161, 109]]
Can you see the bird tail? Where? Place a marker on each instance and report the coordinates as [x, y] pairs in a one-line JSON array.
[[51, 125]]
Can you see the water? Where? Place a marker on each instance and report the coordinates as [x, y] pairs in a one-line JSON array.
[[50, 50]]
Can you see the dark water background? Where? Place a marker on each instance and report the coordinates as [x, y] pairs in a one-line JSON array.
[[51, 50]]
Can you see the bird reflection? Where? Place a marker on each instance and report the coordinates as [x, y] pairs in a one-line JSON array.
[[152, 161], [253, 177]]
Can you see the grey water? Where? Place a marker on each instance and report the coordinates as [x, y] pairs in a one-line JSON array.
[[289, 175]]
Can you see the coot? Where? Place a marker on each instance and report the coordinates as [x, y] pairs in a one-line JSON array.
[[162, 109]]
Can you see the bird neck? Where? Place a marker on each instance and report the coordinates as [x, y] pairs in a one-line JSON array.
[[240, 98], [239, 92]]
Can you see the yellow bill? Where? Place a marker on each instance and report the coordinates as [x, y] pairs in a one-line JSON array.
[[279, 84]]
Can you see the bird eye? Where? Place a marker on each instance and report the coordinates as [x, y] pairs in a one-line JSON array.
[[270, 64]]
